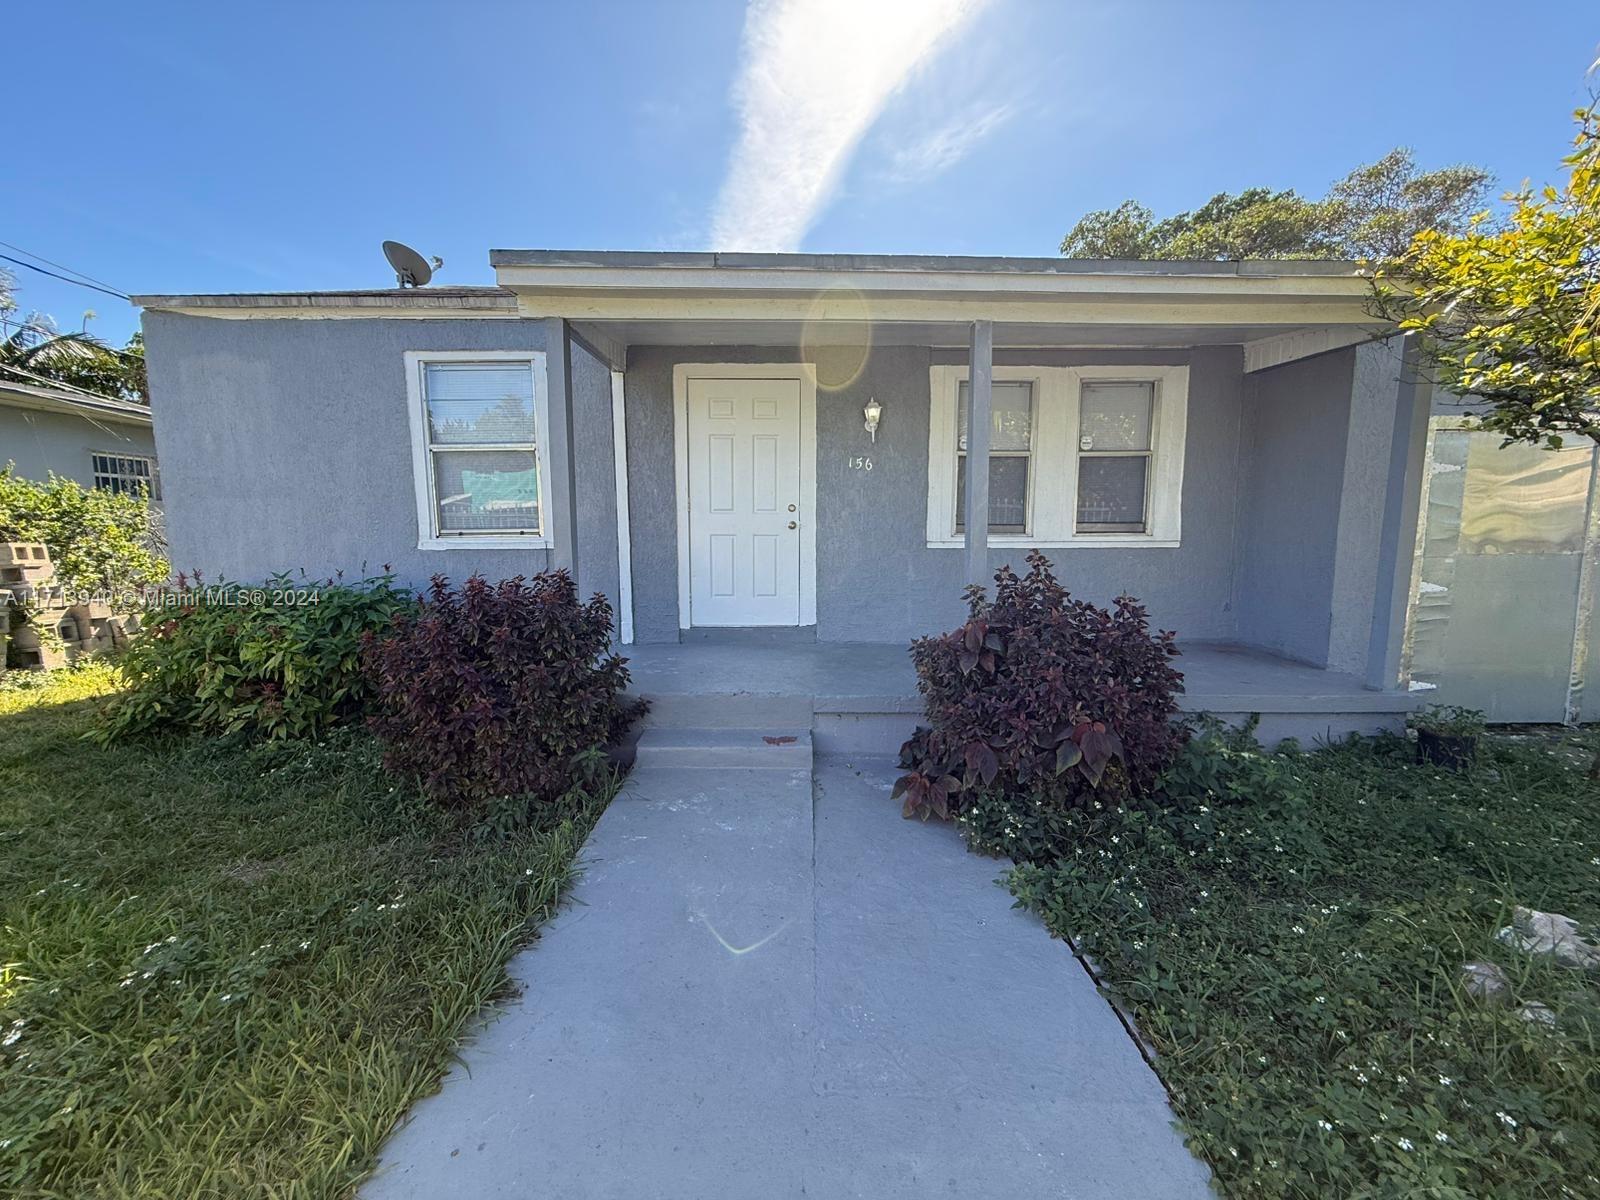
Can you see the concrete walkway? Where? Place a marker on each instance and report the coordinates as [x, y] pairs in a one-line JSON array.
[[773, 986]]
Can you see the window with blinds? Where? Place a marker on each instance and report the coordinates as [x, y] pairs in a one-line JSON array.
[[1087, 455]]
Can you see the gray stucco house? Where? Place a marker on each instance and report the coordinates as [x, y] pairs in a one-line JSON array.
[[791, 446], [99, 441]]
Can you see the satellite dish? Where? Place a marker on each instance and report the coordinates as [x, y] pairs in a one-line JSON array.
[[410, 268]]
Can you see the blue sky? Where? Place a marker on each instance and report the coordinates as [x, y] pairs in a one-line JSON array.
[[272, 146]]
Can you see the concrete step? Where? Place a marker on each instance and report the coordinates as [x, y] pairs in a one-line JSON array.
[[734, 710], [766, 748]]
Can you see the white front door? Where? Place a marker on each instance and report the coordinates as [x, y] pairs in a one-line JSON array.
[[744, 501]]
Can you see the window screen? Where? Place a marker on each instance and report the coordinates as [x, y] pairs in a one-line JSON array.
[[482, 448], [1010, 456], [1115, 423]]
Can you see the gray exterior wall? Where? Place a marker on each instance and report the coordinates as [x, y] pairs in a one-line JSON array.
[[41, 442], [877, 579], [285, 444], [1328, 464], [1296, 418]]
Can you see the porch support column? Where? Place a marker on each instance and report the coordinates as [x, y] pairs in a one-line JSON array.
[[559, 459], [1401, 514], [980, 403]]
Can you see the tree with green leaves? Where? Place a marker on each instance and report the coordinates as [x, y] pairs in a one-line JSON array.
[[35, 352], [1372, 213], [1508, 311]]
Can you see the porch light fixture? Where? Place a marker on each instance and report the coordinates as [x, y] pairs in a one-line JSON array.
[[872, 412]]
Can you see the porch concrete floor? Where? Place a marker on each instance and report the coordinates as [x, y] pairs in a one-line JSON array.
[[771, 988], [877, 677]]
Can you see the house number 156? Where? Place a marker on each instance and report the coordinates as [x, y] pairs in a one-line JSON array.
[[859, 463]]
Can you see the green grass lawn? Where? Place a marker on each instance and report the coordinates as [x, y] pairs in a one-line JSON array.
[[227, 971], [1293, 959]]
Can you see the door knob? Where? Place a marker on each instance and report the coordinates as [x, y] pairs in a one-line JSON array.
[[791, 508], [794, 525]]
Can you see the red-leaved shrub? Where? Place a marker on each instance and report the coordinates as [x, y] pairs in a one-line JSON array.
[[1043, 695], [497, 690]]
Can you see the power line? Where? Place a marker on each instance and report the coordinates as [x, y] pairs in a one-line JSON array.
[[60, 266], [67, 278]]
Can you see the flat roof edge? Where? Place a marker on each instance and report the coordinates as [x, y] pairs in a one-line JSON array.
[[976, 264], [464, 299]]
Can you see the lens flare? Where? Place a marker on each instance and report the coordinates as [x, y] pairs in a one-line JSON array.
[[836, 338]]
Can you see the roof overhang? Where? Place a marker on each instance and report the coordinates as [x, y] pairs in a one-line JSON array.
[[1276, 310], [78, 404]]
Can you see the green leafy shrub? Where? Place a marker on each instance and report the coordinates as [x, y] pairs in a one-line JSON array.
[[282, 660], [1045, 700], [499, 694], [102, 543], [1448, 720], [1223, 764], [1215, 767]]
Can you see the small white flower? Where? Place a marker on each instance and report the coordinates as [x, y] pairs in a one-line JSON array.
[[1324, 1126], [1441, 1137], [1445, 1081], [1507, 1120], [1361, 1077], [1322, 999], [1298, 929], [1405, 1144]]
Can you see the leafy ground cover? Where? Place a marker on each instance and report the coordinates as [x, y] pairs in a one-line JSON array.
[[1292, 951], [225, 970]]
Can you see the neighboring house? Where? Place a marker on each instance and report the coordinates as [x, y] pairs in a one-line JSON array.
[[97, 440], [688, 432]]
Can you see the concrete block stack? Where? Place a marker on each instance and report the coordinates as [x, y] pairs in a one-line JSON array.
[[43, 631]]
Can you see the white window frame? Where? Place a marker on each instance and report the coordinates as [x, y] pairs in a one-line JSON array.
[[1053, 472], [428, 535], [153, 491], [1031, 454]]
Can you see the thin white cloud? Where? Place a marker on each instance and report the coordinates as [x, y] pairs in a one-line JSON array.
[[947, 145], [813, 78]]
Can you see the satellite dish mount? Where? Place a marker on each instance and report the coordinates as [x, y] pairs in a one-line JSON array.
[[410, 268]]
